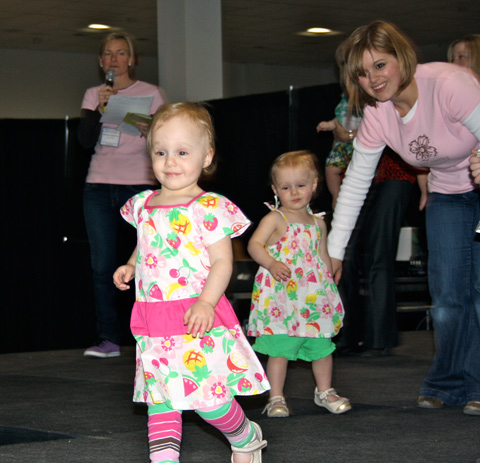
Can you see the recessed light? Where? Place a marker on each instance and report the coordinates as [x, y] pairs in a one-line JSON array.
[[98, 26], [319, 30]]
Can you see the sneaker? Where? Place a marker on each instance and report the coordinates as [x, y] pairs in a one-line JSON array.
[[103, 349]]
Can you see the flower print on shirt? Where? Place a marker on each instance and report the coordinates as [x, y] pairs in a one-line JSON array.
[[421, 149]]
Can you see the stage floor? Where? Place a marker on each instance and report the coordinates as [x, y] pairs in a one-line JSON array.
[[59, 407]]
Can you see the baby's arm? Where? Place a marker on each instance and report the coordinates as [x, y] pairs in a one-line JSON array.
[[200, 316], [323, 244], [125, 273], [326, 126], [256, 246]]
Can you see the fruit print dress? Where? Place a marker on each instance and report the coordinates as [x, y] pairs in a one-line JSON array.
[[308, 304], [171, 268]]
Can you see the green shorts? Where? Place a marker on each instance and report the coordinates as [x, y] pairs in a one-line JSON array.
[[292, 348]]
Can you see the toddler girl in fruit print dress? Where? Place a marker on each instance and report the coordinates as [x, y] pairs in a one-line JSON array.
[[296, 309], [191, 351]]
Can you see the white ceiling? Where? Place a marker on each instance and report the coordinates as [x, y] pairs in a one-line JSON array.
[[254, 31]]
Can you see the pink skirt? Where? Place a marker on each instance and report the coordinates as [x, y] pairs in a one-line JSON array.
[[190, 373]]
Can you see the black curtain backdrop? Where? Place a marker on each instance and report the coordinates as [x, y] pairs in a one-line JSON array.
[[46, 287]]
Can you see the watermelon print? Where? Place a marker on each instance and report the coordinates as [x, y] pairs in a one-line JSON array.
[[172, 267]]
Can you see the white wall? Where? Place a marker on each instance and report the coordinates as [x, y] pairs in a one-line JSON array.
[[50, 85]]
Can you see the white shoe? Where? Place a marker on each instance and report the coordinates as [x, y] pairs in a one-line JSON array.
[[276, 407], [341, 405], [254, 448]]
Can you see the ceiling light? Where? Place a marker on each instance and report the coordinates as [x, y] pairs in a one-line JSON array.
[[319, 30], [98, 26]]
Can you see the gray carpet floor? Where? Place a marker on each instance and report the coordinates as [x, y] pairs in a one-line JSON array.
[[59, 407]]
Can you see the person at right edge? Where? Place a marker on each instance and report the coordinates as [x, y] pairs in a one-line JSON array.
[[430, 115]]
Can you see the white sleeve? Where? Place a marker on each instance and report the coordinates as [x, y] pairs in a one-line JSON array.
[[472, 122], [353, 191]]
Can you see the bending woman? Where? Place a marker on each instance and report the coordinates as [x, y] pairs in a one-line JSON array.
[[430, 115]]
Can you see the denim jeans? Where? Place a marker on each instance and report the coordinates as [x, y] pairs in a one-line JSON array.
[[101, 206], [454, 279]]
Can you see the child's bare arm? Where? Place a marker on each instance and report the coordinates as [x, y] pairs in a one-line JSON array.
[[326, 126], [200, 316], [256, 246], [323, 244], [124, 274]]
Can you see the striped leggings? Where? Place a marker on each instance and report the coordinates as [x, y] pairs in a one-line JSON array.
[[165, 428]]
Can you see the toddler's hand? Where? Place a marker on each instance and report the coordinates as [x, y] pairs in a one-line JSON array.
[[280, 271], [325, 126], [123, 275], [199, 318]]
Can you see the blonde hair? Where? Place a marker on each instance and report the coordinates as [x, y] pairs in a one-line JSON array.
[[196, 113], [472, 47], [296, 159], [120, 35], [383, 37]]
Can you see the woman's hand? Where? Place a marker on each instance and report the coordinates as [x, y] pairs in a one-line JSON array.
[[475, 166], [337, 270], [199, 318], [279, 271], [143, 127], [123, 275], [104, 94]]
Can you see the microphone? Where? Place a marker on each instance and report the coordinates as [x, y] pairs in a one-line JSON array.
[[110, 77], [109, 80]]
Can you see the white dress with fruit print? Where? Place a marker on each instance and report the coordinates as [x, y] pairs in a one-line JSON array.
[[308, 304], [172, 266]]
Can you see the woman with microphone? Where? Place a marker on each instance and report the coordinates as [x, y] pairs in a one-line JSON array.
[[120, 168]]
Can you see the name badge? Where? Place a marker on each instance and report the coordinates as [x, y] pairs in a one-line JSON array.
[[109, 137]]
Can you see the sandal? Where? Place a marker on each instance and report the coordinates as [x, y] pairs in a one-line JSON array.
[[254, 448], [341, 405], [276, 407]]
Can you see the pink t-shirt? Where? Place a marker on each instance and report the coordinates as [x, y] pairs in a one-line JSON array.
[[128, 163], [432, 134]]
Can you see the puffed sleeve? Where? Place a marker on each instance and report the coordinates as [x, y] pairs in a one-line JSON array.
[[131, 210], [217, 217]]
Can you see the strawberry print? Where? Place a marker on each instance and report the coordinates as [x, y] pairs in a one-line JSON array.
[[173, 240], [210, 222], [171, 268], [309, 300]]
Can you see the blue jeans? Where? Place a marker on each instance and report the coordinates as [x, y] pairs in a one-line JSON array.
[[454, 279], [101, 207]]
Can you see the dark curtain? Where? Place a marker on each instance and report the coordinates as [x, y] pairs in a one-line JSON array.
[[47, 288]]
